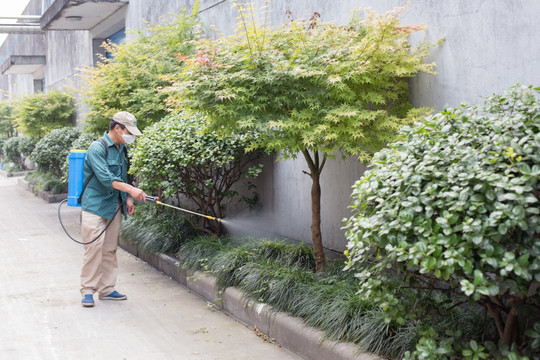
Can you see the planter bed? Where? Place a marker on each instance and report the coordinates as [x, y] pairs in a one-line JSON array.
[[290, 332], [45, 195]]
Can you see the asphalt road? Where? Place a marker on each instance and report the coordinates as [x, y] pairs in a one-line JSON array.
[[41, 316]]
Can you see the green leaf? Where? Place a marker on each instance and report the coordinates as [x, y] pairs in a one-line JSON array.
[[523, 260]]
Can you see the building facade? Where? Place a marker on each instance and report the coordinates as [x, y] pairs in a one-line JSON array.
[[489, 46]]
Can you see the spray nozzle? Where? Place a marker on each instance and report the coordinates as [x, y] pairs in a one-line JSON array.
[[153, 199]]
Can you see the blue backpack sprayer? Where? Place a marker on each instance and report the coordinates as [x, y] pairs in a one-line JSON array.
[[76, 188]]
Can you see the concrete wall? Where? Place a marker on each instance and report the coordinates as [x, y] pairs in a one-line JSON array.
[[285, 207], [153, 12], [490, 45], [21, 44], [13, 86], [68, 52]]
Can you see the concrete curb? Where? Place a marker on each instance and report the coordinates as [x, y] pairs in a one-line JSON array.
[[50, 197], [25, 185], [45, 195], [290, 332], [14, 174]]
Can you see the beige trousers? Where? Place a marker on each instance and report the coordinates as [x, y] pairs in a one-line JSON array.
[[100, 265]]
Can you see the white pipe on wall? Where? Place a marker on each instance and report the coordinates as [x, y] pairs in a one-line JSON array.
[[20, 29], [22, 17]]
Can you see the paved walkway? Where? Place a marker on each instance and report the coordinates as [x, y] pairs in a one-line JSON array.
[[41, 316]]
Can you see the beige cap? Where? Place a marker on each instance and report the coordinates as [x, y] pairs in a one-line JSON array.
[[128, 120]]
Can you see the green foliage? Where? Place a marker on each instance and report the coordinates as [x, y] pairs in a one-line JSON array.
[[452, 346], [454, 207], [194, 255], [37, 114], [2, 142], [130, 80], [7, 128], [82, 142], [52, 150], [282, 275], [157, 230], [27, 145], [11, 150], [46, 181], [177, 158], [313, 86], [16, 149]]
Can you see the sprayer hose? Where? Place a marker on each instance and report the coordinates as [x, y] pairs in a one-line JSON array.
[[101, 233]]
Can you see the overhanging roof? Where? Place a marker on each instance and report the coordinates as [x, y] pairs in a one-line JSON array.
[[23, 64], [78, 14]]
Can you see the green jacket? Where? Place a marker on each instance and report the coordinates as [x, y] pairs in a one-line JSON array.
[[100, 198]]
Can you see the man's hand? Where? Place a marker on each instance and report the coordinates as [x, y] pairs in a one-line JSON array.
[[130, 206], [135, 193]]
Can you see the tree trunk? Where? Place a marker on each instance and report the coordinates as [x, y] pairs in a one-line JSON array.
[[506, 319], [316, 236], [316, 167]]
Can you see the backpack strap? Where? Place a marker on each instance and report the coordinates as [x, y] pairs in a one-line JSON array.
[[106, 146]]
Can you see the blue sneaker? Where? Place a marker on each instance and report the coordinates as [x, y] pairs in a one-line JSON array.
[[115, 295], [87, 300]]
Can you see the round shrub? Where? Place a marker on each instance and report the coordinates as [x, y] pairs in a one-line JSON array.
[[27, 145], [11, 151], [83, 142], [17, 149], [455, 207], [7, 127], [176, 157], [51, 151]]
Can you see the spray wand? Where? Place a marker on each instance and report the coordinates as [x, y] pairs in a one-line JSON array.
[[155, 199]]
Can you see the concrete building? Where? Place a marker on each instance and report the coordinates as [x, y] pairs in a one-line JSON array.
[[489, 46]]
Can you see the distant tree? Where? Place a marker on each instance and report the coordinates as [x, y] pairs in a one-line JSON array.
[[37, 114], [7, 128], [130, 79], [309, 88]]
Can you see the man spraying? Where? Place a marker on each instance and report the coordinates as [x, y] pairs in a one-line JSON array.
[[107, 190]]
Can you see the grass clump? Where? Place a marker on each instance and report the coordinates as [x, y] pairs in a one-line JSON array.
[[46, 181], [157, 230], [282, 275]]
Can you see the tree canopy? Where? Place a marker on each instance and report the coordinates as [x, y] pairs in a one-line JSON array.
[[307, 87], [38, 114], [137, 69]]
